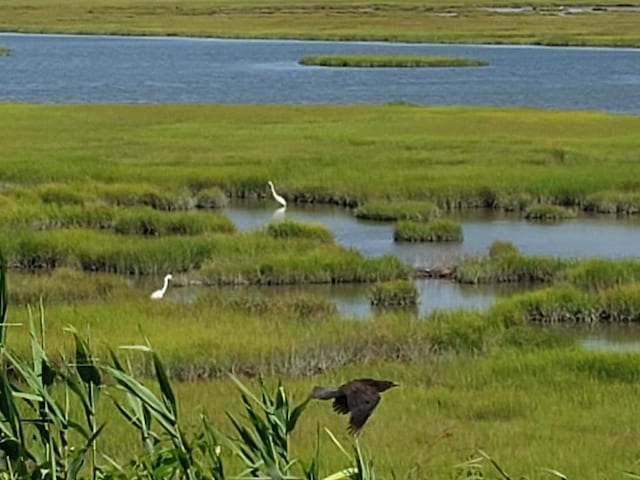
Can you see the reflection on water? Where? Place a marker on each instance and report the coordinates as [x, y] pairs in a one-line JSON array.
[[585, 236], [610, 338], [352, 299]]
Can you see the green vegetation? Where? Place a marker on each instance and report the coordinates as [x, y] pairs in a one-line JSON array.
[[453, 157], [548, 212], [437, 230], [3, 51], [396, 61], [397, 293], [393, 211], [467, 21], [291, 229], [505, 264]]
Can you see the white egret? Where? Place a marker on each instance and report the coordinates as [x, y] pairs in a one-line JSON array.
[[278, 215], [278, 198], [158, 294]]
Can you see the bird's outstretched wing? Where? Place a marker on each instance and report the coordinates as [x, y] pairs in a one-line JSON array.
[[340, 405], [361, 401]]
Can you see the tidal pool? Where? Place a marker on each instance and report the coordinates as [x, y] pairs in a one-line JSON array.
[[585, 236]]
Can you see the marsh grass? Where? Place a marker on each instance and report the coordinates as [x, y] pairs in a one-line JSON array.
[[4, 51], [211, 197], [396, 293], [509, 267], [613, 202], [64, 285], [292, 229], [150, 222], [437, 230], [571, 305], [548, 212], [469, 21], [134, 220], [396, 153], [394, 61], [394, 211]]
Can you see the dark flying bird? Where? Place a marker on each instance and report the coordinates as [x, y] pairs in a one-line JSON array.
[[358, 397]]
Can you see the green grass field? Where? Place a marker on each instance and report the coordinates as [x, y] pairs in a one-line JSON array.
[[543, 22], [455, 157], [118, 188]]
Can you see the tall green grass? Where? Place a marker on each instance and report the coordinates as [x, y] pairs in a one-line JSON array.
[[396, 153], [438, 230]]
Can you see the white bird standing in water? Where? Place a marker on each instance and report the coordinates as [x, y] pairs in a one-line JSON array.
[[158, 294], [278, 198]]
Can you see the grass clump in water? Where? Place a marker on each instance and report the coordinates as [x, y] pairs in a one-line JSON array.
[[548, 212], [3, 51], [506, 267], [395, 293], [438, 230], [600, 273], [292, 229], [394, 61], [619, 202], [211, 197], [401, 210]]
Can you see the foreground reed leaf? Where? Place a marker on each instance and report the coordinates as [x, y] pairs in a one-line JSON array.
[[3, 299]]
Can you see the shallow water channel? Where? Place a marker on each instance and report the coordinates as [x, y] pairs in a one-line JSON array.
[[585, 236]]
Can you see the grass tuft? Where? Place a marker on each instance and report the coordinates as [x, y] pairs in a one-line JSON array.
[[548, 212], [400, 210], [438, 230], [394, 61]]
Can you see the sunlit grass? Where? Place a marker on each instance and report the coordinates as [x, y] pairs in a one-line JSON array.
[[453, 157], [396, 20]]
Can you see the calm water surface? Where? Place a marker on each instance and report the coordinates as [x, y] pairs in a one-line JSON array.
[[606, 236], [75, 68]]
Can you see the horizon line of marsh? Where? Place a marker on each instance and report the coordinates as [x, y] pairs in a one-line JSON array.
[[396, 21]]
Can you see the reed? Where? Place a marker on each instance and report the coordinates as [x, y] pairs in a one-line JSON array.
[[437, 230], [394, 61], [3, 51], [548, 212], [394, 211]]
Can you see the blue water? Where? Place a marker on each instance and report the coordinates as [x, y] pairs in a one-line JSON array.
[[74, 68]]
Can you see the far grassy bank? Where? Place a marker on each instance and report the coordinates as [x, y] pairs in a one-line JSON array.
[[384, 61], [166, 156], [468, 21]]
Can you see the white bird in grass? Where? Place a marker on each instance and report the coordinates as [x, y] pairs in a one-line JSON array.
[[158, 294], [278, 198]]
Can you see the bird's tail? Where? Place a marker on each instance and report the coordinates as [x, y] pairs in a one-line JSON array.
[[325, 393]]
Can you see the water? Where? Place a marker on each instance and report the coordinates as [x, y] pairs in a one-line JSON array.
[[586, 236], [72, 68], [352, 300]]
